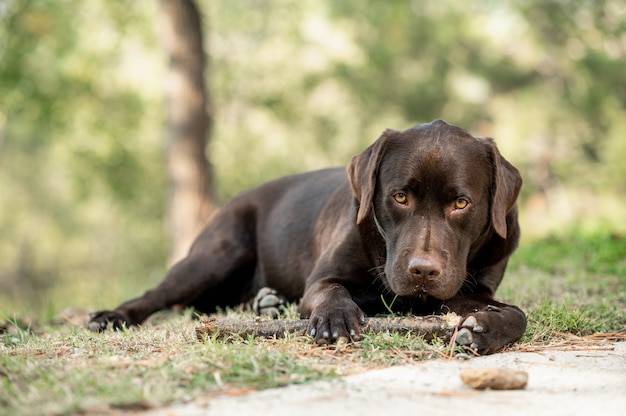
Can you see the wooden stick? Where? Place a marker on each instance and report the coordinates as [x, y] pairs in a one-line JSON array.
[[429, 327]]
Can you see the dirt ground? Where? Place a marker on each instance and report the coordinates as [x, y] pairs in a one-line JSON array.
[[568, 380]]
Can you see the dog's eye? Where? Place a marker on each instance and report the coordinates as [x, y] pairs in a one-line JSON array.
[[401, 198], [460, 203]]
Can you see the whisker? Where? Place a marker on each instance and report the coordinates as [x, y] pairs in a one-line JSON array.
[[470, 283], [376, 268], [378, 272]]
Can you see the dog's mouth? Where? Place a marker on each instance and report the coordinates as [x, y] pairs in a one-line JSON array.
[[420, 290], [408, 288], [442, 287], [441, 292]]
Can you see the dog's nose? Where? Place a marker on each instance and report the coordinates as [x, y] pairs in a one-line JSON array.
[[424, 267]]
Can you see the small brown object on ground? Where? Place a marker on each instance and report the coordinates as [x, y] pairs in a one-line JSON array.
[[494, 378], [429, 327]]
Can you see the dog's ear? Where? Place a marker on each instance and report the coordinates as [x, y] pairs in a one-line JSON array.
[[506, 186], [362, 173]]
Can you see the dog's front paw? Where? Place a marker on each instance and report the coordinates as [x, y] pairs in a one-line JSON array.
[[468, 333], [99, 321], [489, 330], [336, 324], [268, 302]]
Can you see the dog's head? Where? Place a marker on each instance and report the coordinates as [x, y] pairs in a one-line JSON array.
[[435, 193]]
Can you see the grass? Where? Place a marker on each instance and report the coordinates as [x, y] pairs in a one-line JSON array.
[[573, 285], [68, 369]]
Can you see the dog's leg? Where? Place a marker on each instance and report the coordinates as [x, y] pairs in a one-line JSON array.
[[224, 247], [328, 300]]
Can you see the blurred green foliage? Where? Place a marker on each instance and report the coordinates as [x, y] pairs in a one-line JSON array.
[[296, 85], [80, 153], [572, 281], [596, 253]]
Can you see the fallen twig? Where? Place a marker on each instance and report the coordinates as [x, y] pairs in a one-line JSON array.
[[441, 327], [600, 341]]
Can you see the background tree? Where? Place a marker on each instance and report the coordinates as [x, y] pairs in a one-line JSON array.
[[189, 172]]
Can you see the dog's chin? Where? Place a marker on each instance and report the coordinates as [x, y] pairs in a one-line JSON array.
[[439, 289]]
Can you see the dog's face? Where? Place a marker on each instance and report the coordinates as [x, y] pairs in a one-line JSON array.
[[435, 194]]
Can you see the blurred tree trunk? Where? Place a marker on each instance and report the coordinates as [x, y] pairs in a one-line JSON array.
[[190, 201]]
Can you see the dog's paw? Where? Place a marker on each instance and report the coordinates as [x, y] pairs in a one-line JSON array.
[[489, 330], [336, 325], [100, 321], [268, 302], [475, 331]]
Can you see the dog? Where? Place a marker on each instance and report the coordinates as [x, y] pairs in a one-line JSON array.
[[424, 220]]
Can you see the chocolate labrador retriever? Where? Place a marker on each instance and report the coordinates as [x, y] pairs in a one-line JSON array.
[[425, 219]]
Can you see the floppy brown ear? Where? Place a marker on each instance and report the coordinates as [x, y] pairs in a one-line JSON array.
[[506, 186], [362, 172]]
